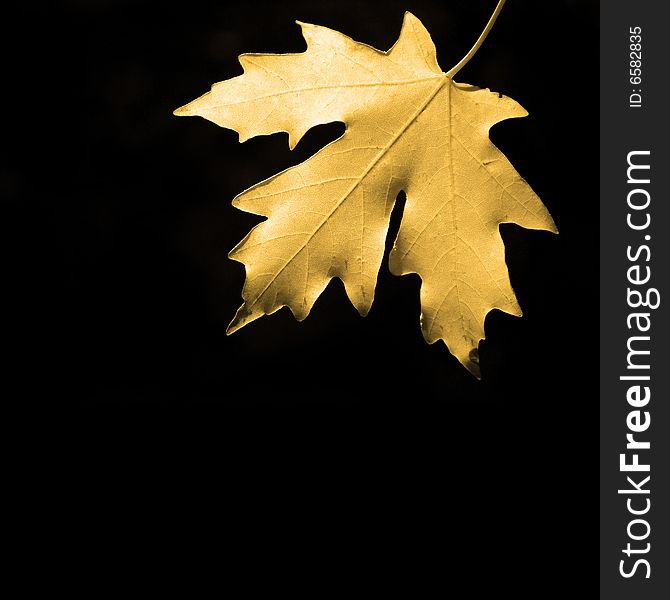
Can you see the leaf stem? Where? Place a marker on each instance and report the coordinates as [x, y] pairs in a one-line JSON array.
[[479, 41]]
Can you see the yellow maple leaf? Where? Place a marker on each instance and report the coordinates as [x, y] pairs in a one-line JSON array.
[[409, 127]]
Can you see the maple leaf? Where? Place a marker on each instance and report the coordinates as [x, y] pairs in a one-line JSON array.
[[409, 127]]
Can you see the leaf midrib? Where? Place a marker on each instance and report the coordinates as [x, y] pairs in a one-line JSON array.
[[443, 81], [329, 87]]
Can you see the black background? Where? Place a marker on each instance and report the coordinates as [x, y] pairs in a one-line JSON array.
[[124, 223]]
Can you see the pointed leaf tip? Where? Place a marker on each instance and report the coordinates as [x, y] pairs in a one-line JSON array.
[[182, 111]]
